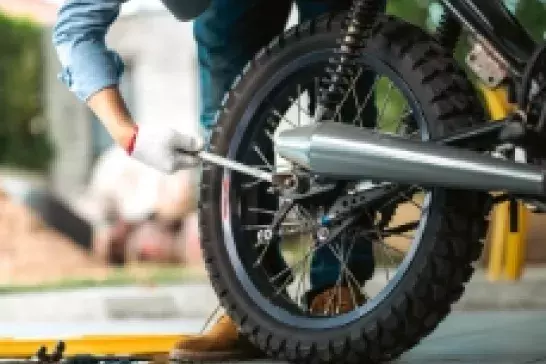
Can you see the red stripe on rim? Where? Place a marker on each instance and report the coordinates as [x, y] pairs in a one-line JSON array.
[[225, 198]]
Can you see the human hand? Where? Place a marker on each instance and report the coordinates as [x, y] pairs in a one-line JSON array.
[[164, 148]]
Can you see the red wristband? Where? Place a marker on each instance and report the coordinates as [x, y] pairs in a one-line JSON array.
[[131, 146]]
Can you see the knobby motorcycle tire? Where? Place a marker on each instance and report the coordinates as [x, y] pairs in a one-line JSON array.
[[454, 233]]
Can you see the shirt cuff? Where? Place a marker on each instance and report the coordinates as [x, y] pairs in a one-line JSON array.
[[90, 68]]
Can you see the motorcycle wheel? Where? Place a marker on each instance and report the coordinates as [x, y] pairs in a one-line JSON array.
[[413, 288]]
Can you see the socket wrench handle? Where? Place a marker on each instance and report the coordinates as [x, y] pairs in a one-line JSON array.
[[235, 166]]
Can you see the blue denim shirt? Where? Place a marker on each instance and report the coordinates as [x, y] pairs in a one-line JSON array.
[[79, 39]]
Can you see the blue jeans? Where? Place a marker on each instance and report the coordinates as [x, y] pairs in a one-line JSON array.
[[228, 35]]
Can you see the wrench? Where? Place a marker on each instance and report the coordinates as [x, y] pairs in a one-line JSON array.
[[235, 166]]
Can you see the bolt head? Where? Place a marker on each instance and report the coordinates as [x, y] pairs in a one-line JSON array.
[[267, 235], [322, 234]]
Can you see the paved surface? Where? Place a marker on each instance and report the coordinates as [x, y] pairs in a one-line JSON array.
[[470, 337], [500, 337], [63, 330], [482, 338], [198, 300]]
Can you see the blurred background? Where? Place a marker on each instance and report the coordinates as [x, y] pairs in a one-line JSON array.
[[75, 211]]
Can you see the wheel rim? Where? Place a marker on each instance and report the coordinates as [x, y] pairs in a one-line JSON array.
[[231, 216]]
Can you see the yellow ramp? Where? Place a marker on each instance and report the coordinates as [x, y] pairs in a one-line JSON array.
[[507, 251], [121, 345]]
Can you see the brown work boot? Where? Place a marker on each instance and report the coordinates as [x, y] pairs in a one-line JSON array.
[[222, 342], [336, 301]]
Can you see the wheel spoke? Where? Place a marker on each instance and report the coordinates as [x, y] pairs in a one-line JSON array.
[[400, 229], [300, 108], [249, 185], [315, 248], [397, 199], [262, 157], [261, 211], [402, 127], [366, 101], [347, 271], [263, 226], [336, 254], [381, 239], [290, 271], [269, 136], [279, 115], [294, 232], [299, 105], [343, 260], [316, 96], [301, 282], [346, 96]]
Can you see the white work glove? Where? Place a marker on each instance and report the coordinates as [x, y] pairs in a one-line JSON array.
[[162, 148]]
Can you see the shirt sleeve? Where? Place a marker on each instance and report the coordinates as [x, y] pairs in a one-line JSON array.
[[79, 37]]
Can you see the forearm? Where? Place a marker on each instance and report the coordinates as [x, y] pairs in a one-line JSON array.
[[79, 38], [91, 70], [109, 107]]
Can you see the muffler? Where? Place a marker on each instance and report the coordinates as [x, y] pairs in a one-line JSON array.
[[346, 152]]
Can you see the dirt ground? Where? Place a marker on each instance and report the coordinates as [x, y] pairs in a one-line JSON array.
[[31, 253]]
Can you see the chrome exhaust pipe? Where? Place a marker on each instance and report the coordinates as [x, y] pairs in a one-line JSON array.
[[346, 152]]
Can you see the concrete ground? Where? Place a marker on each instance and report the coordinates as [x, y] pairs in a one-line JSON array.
[[495, 337], [481, 338], [493, 323], [501, 337], [198, 300]]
